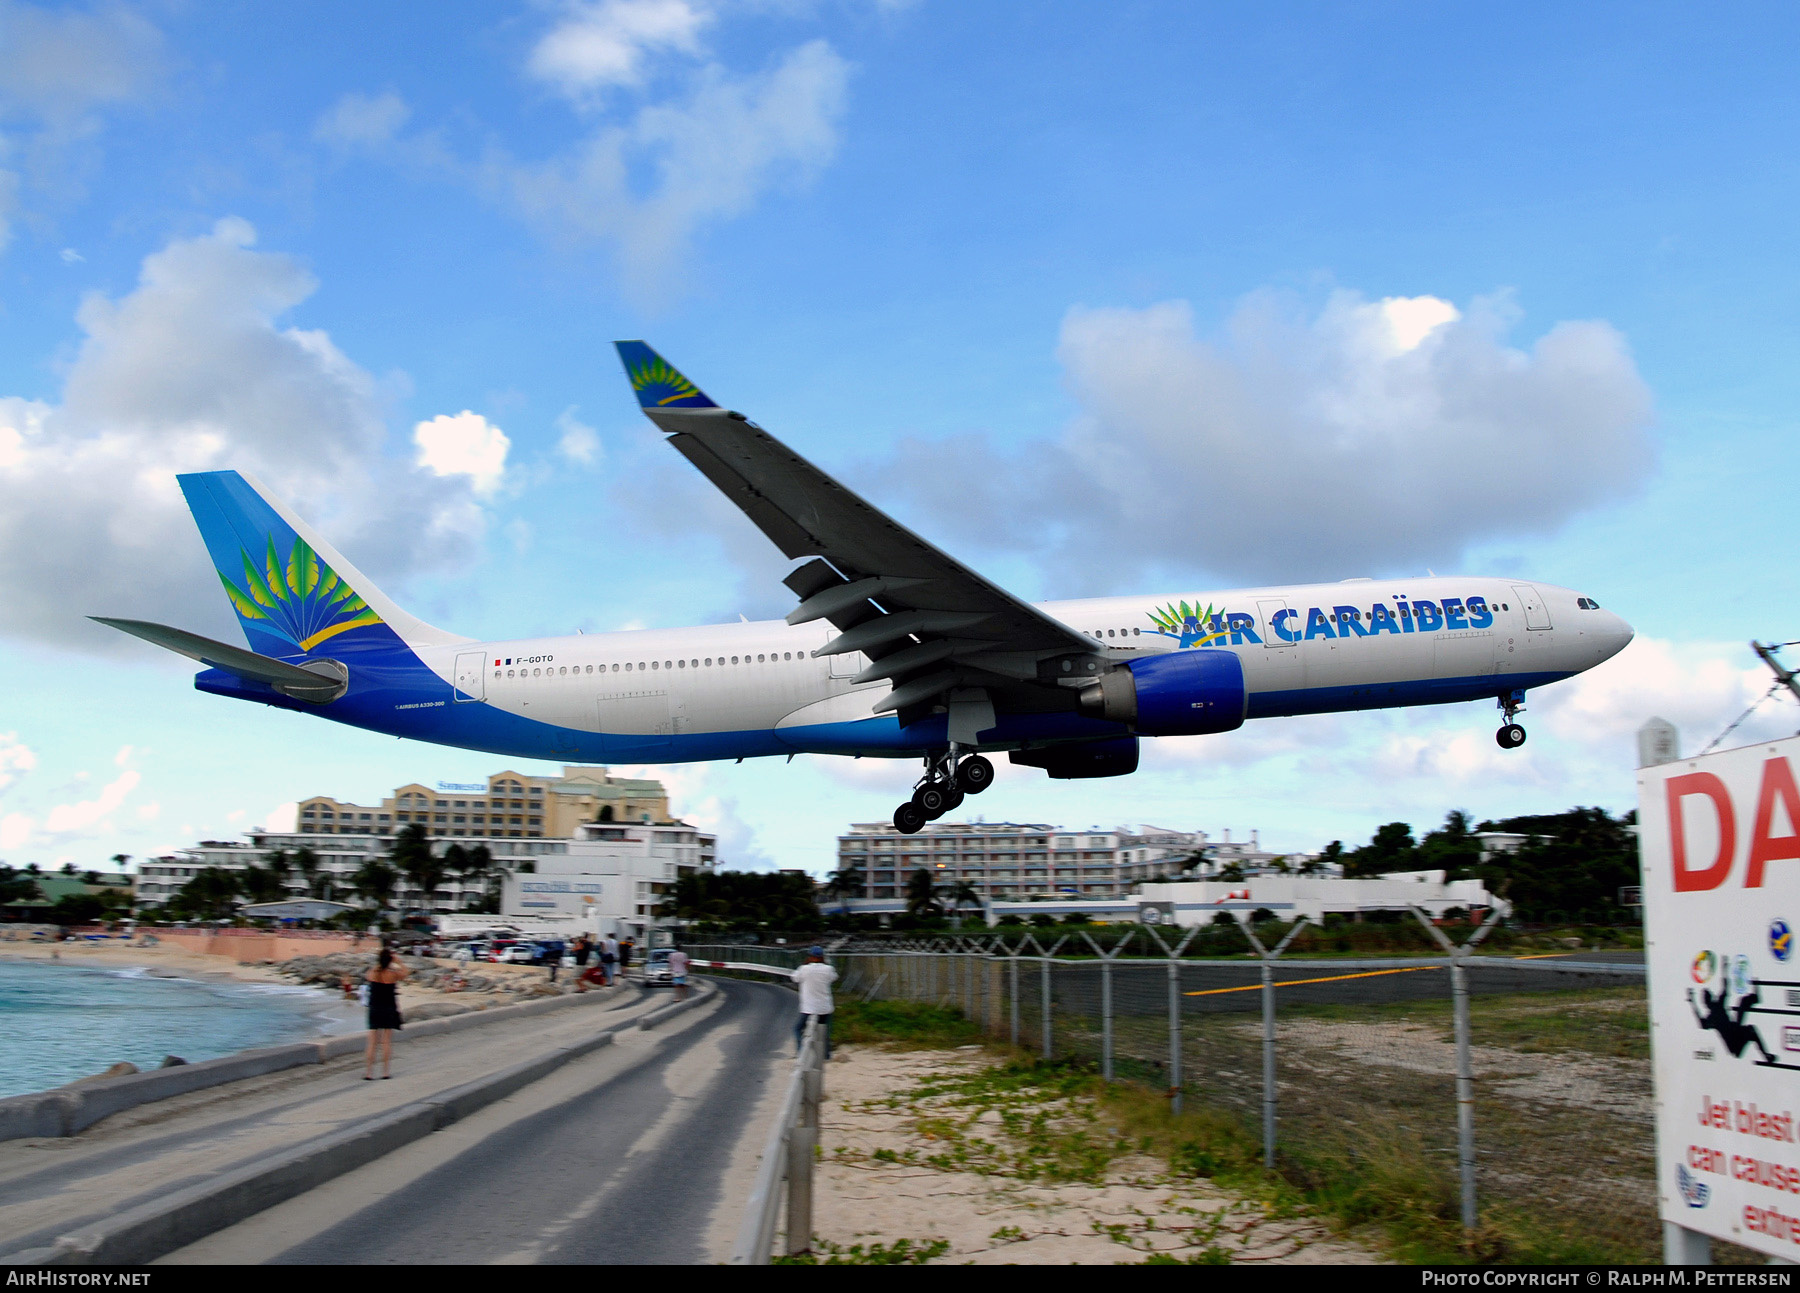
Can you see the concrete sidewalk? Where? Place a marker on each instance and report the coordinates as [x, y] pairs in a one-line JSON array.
[[59, 1186]]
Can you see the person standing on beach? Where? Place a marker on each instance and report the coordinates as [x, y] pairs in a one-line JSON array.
[[609, 957], [814, 979], [625, 949], [384, 1013]]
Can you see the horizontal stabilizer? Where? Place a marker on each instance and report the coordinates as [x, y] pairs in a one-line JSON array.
[[320, 681]]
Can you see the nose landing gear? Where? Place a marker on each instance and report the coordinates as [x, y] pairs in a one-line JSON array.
[[1511, 736], [942, 789]]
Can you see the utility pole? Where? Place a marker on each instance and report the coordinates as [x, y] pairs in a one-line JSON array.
[[1783, 676]]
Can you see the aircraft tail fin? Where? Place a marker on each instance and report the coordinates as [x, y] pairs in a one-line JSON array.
[[655, 380], [294, 594]]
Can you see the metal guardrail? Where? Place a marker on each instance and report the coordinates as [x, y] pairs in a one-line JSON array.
[[787, 1156]]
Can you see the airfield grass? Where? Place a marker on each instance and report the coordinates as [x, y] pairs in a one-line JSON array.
[[1566, 1168]]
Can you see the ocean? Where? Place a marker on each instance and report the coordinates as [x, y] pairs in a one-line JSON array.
[[61, 1022]]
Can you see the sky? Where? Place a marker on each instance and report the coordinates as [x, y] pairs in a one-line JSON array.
[[1138, 298]]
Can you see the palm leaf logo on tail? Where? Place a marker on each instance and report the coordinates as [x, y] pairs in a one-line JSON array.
[[298, 596]]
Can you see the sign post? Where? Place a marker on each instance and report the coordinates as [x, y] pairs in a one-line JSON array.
[[1719, 838]]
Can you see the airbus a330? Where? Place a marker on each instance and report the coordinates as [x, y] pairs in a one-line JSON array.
[[894, 650]]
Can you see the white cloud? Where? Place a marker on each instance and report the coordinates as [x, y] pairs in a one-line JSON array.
[[193, 371], [464, 445], [644, 177], [707, 156], [283, 817], [1363, 438], [71, 257], [579, 443], [16, 758], [1700, 687], [362, 120], [1413, 318], [149, 812], [66, 819], [15, 829], [600, 45]]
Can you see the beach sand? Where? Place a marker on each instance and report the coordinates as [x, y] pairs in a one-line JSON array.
[[168, 960], [898, 1163]]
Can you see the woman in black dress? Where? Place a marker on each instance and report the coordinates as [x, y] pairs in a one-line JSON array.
[[384, 1013]]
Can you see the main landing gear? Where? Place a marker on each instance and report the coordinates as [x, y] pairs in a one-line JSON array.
[[942, 788], [1511, 736]]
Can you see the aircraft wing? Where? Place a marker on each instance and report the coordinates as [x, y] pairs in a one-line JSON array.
[[928, 623]]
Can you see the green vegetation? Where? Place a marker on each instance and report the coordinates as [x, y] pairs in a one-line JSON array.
[[743, 901], [912, 1024], [1571, 867], [902, 1252]]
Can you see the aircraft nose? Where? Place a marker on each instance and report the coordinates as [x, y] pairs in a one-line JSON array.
[[1618, 635]]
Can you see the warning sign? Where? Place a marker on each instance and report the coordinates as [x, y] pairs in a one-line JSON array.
[[1720, 841]]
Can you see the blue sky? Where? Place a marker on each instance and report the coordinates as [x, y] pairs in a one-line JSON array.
[[1106, 300]]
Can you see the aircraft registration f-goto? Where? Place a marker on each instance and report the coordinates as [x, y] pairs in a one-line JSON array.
[[896, 649]]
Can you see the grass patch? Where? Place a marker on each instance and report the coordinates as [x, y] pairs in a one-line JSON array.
[[902, 1252], [915, 1024]]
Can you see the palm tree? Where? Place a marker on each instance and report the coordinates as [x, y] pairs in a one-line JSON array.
[[921, 894], [375, 879], [478, 864], [961, 893], [845, 883], [307, 863], [411, 855]]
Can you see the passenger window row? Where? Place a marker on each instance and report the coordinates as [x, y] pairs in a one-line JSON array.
[[704, 662]]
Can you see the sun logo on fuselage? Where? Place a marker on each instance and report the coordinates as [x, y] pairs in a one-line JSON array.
[[650, 378], [300, 598], [1189, 625]]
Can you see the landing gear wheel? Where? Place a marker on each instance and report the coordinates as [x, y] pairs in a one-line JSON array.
[[932, 799], [974, 775], [1510, 737], [909, 818], [953, 802]]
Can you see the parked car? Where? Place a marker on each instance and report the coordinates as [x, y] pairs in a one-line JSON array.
[[656, 966], [514, 953], [543, 953]]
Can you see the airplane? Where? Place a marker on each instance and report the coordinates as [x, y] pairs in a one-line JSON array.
[[895, 649]]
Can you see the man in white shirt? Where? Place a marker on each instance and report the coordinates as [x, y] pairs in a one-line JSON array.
[[814, 979], [678, 972]]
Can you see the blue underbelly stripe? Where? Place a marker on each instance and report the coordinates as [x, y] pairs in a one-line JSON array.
[[393, 693]]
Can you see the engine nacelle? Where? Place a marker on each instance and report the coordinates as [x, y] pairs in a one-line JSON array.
[[1180, 693], [1114, 758]]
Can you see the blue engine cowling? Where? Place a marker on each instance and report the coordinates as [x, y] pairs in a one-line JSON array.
[[1180, 693], [1115, 758]]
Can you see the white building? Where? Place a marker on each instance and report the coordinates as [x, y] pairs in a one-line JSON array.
[[1009, 859], [1288, 896], [616, 874], [341, 856]]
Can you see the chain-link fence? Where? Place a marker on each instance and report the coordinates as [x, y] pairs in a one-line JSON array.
[[1513, 1095]]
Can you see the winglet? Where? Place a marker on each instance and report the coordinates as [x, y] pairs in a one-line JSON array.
[[656, 381]]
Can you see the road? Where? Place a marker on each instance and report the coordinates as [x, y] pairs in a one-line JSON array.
[[639, 1153]]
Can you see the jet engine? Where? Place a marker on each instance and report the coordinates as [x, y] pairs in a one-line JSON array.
[[1114, 758], [1180, 693]]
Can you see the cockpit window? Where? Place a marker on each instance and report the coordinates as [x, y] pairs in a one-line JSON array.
[[1587, 603]]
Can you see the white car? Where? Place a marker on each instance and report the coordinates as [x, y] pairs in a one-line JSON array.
[[517, 954], [656, 966]]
